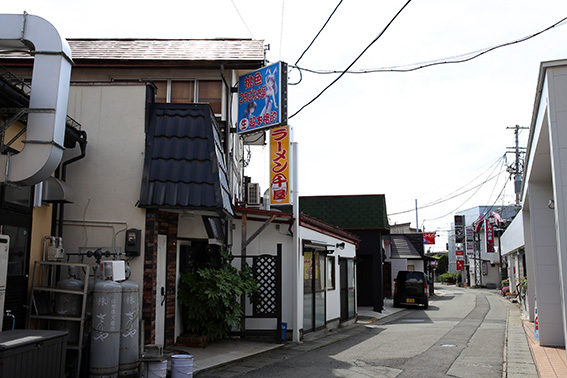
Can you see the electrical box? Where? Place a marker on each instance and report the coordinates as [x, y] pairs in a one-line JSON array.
[[133, 242], [114, 269]]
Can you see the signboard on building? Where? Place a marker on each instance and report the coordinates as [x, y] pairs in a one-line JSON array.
[[262, 98], [459, 249], [489, 228], [429, 238], [470, 240], [460, 264], [280, 166], [459, 228]]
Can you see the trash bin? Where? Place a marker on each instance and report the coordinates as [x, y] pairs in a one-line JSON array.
[[32, 353]]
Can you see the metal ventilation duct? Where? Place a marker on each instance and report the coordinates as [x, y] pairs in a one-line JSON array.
[[45, 132], [56, 191]]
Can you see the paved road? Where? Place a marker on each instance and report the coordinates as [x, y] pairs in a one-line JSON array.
[[462, 334]]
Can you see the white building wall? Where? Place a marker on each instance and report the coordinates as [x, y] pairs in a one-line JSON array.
[[266, 242], [106, 183], [545, 224], [333, 300]]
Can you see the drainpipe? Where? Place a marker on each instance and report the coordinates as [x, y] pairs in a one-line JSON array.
[[43, 147], [82, 140]]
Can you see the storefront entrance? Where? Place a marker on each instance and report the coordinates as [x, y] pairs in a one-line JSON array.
[[313, 289]]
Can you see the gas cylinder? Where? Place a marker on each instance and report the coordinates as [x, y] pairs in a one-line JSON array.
[[105, 337], [130, 327], [69, 305]]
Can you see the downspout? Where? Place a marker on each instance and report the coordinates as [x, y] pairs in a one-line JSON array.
[[43, 147], [82, 140]]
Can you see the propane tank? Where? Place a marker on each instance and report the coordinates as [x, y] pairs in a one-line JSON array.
[[105, 337], [70, 305], [130, 326]]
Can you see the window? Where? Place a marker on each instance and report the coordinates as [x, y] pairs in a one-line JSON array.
[[190, 91], [331, 273]]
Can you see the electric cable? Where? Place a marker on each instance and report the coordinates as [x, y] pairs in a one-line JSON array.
[[442, 199], [242, 19], [418, 66], [447, 198], [466, 201], [313, 41], [353, 62]]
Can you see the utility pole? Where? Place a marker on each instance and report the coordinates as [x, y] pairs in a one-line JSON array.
[[518, 168]]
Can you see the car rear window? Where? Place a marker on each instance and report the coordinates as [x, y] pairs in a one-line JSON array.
[[415, 277]]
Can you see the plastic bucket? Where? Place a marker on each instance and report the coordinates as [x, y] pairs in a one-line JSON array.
[[157, 369], [181, 366]]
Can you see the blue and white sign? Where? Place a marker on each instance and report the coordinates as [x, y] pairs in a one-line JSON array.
[[262, 98]]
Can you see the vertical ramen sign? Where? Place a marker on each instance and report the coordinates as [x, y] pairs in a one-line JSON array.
[[279, 166], [262, 98]]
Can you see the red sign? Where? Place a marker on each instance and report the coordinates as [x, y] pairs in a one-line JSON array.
[[429, 238], [489, 236], [460, 265]]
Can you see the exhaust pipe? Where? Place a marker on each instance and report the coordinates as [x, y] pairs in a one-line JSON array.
[[45, 133]]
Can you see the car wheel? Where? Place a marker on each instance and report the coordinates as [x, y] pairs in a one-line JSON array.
[[426, 306]]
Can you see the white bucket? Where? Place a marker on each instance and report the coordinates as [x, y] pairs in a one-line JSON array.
[[181, 366], [157, 369]]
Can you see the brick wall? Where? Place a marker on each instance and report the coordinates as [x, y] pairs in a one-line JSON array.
[[164, 223]]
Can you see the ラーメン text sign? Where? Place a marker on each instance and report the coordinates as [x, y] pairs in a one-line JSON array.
[[280, 166]]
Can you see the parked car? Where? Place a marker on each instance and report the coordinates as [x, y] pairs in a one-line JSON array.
[[410, 288]]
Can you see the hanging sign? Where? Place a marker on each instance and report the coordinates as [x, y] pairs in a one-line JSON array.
[[429, 238], [262, 98], [279, 166], [489, 236], [459, 228], [460, 265]]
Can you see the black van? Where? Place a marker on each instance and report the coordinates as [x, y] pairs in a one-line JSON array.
[[410, 288]]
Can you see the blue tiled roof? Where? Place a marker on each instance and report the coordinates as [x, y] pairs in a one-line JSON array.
[[184, 166]]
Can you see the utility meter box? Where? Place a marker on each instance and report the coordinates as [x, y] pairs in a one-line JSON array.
[[133, 242]]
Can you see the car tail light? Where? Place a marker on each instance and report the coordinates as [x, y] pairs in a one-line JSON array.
[[425, 289], [395, 287]]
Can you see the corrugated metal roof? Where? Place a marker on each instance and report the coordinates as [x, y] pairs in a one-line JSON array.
[[168, 49], [184, 166], [407, 246]]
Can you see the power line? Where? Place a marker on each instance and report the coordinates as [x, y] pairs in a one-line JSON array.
[[242, 19], [437, 202], [467, 200], [418, 66], [353, 62], [313, 41], [440, 200]]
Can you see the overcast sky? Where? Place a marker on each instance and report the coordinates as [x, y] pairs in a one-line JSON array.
[[426, 135]]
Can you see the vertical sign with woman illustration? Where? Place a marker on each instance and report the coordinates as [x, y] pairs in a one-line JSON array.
[[260, 100]]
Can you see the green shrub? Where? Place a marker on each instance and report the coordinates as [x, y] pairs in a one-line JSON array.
[[450, 277], [210, 297]]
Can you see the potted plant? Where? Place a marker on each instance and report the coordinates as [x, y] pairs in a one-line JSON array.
[[209, 297]]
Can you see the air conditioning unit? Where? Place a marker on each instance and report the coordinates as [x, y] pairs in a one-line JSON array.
[[254, 196]]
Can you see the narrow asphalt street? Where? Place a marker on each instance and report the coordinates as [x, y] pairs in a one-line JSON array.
[[462, 334]]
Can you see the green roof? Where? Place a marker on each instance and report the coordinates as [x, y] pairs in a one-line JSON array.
[[348, 212]]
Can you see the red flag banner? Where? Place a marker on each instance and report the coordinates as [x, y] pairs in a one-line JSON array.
[[429, 238]]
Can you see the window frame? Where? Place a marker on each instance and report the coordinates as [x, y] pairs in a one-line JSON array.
[[196, 83]]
